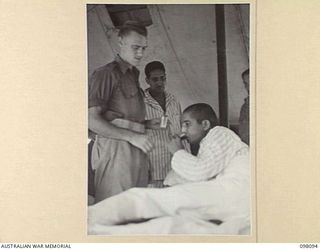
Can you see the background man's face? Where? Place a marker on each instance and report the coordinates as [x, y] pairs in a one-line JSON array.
[[157, 81], [132, 47]]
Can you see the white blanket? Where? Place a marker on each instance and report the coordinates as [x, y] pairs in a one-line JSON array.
[[182, 209], [176, 225]]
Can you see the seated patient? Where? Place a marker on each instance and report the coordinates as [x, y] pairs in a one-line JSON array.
[[214, 185], [217, 147]]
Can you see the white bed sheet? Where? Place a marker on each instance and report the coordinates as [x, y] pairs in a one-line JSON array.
[[182, 209]]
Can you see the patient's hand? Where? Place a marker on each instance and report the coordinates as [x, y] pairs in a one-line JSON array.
[[175, 144]]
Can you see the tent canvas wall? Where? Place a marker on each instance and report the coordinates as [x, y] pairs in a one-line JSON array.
[[183, 37]]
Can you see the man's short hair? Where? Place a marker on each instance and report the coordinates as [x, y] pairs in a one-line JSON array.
[[153, 66], [201, 112], [246, 72], [129, 26]]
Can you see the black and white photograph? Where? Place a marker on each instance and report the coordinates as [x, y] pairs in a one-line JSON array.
[[168, 119], [126, 124]]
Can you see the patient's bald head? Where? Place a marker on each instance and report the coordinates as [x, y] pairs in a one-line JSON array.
[[201, 112]]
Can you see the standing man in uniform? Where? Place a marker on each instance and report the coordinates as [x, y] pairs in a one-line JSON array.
[[117, 117]]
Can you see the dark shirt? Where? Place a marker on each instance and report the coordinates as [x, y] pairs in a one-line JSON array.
[[244, 122], [115, 87]]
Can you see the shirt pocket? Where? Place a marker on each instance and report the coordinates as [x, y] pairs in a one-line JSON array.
[[129, 88]]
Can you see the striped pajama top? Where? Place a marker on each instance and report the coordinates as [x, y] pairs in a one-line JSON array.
[[216, 151], [160, 157]]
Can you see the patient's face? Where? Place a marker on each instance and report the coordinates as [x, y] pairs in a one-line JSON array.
[[194, 130]]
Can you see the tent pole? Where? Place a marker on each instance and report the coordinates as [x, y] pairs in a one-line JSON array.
[[222, 65]]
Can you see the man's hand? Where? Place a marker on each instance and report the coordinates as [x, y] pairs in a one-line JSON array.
[[153, 124], [174, 145], [142, 142]]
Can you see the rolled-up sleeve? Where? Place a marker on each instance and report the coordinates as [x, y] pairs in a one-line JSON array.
[[100, 88]]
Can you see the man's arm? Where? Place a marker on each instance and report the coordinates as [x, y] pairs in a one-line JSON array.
[[102, 127], [195, 168]]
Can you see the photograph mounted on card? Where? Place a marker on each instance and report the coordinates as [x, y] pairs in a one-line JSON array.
[[191, 62]]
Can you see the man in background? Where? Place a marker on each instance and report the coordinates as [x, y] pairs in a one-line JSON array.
[[163, 106], [244, 112]]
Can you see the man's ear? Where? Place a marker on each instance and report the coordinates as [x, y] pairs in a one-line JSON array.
[[206, 124], [147, 81]]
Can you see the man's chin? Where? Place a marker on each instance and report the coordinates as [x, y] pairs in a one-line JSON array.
[[136, 62], [193, 142]]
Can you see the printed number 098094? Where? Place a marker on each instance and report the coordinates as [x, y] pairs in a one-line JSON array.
[[308, 245]]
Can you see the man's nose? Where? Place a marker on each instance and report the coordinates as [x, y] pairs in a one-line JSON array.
[[183, 129], [139, 52], [159, 82]]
